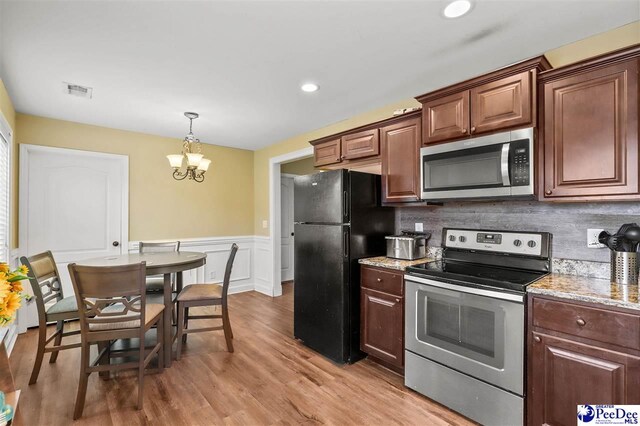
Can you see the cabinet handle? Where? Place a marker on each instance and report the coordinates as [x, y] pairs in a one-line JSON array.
[[464, 130], [473, 129], [379, 280], [537, 339], [581, 322], [548, 192], [397, 300]]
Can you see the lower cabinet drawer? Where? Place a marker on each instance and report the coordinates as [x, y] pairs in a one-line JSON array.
[[602, 325], [382, 280], [382, 323]]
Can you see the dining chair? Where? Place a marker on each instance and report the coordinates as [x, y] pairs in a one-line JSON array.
[[52, 306], [155, 283], [112, 305], [195, 295]]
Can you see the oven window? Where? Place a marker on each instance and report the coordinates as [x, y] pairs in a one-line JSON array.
[[467, 168], [469, 327]]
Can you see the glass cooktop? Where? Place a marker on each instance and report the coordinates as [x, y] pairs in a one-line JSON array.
[[477, 275]]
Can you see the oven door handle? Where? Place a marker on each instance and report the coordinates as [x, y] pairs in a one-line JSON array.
[[470, 290], [504, 164]]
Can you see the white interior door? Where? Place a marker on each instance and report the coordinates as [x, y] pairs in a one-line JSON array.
[[286, 227], [74, 203]]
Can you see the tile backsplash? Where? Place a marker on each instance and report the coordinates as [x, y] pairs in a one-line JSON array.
[[568, 222]]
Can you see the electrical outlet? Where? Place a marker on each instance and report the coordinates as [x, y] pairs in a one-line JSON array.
[[212, 275], [419, 227], [592, 238], [265, 224]]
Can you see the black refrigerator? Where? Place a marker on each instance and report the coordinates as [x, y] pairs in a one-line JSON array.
[[338, 220]]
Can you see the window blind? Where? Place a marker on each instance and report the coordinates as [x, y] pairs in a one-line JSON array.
[[4, 199]]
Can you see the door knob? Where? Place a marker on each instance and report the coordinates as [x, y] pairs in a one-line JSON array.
[[581, 322], [548, 192], [536, 338], [292, 234], [473, 129], [116, 243], [379, 280]]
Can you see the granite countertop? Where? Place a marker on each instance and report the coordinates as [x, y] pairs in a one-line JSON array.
[[389, 263], [585, 289]]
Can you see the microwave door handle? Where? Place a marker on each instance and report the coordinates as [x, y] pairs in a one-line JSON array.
[[504, 164]]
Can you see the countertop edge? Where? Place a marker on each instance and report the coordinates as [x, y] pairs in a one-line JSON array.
[[584, 298], [389, 263]]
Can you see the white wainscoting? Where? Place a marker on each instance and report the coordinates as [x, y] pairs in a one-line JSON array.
[[252, 259], [263, 265]]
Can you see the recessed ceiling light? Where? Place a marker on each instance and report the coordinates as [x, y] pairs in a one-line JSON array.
[[309, 87], [457, 8]]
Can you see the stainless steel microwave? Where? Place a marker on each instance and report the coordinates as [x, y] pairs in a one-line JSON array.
[[493, 166]]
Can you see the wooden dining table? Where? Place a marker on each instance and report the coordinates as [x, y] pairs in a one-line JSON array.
[[165, 264]]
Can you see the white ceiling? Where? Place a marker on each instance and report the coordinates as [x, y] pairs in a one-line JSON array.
[[240, 63]]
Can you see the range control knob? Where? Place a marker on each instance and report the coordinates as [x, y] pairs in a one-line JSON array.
[[452, 238], [517, 243], [531, 243], [462, 239]]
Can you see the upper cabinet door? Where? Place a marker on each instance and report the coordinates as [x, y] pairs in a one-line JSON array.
[[326, 153], [502, 104], [446, 118], [361, 144], [400, 161], [591, 133]]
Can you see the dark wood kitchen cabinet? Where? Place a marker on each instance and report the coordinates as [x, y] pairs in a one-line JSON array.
[[360, 144], [327, 152], [589, 122], [382, 316], [389, 147], [579, 353], [401, 161], [501, 100], [502, 104], [446, 118]]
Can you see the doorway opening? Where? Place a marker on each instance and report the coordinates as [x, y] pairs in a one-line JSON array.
[[288, 171], [284, 166]]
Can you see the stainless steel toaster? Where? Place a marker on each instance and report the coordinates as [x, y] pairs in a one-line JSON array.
[[408, 245]]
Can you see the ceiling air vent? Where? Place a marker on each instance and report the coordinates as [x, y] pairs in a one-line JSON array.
[[77, 90]]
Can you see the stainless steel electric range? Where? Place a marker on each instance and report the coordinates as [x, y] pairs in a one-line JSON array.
[[465, 321]]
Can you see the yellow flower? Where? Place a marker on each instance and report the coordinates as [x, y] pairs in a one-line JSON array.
[[13, 303], [23, 269], [4, 268], [5, 289], [16, 287]]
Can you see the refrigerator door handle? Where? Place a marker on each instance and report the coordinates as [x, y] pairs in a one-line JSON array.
[[345, 203], [346, 244]]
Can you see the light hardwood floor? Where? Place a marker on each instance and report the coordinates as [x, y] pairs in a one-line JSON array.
[[271, 379]]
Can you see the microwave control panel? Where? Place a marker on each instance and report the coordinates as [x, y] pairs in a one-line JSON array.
[[520, 165]]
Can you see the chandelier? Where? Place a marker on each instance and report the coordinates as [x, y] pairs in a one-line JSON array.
[[197, 165]]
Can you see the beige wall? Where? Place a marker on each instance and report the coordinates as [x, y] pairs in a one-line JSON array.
[[9, 113], [6, 106], [300, 167], [159, 206], [601, 43]]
